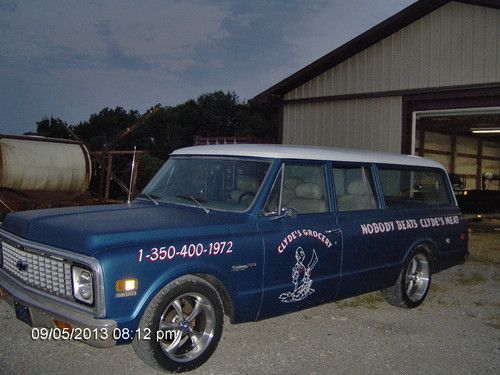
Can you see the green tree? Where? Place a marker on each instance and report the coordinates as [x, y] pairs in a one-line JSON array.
[[52, 128], [102, 128], [216, 114], [164, 129], [148, 166], [258, 121]]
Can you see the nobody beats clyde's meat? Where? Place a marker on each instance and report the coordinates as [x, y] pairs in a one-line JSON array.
[[389, 226]]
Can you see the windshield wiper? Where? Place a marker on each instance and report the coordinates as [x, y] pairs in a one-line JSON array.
[[144, 194], [197, 200]]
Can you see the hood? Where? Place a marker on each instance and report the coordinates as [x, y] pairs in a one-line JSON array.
[[89, 229]]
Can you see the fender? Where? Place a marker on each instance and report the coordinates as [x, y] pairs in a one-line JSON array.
[[433, 250], [167, 277]]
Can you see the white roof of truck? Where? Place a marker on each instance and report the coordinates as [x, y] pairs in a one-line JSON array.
[[307, 153]]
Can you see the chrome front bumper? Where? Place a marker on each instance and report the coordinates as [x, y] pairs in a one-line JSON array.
[[43, 311]]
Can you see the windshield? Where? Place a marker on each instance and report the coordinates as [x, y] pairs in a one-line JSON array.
[[208, 182]]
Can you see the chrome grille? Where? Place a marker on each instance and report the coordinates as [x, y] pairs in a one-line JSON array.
[[44, 272]]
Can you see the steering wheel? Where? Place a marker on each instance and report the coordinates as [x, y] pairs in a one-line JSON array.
[[247, 194]]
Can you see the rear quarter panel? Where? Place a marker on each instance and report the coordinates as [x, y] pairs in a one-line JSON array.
[[443, 229]]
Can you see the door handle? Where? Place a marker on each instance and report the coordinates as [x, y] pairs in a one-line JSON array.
[[336, 230]]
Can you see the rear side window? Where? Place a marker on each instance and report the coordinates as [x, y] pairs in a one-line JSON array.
[[354, 189], [413, 188]]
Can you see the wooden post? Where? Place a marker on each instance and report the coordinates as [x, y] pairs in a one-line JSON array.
[[479, 182], [101, 163], [108, 177], [453, 155], [104, 160], [421, 146]]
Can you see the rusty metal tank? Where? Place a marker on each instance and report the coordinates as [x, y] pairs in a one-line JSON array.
[[39, 172], [38, 163]]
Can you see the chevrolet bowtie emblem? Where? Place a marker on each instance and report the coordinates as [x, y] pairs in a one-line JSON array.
[[22, 266]]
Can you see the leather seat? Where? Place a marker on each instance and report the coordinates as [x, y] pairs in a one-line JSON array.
[[308, 199], [338, 179], [244, 184], [289, 185], [355, 199]]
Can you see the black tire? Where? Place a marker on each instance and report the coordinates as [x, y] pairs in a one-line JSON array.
[[413, 282], [188, 340]]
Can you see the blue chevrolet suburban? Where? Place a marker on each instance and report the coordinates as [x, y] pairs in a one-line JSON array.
[[247, 231]]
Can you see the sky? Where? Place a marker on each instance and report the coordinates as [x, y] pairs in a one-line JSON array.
[[69, 59]]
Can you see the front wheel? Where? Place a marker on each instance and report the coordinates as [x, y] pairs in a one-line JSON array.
[[413, 282], [185, 320]]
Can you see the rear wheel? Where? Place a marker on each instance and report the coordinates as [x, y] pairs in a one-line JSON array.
[[413, 282], [185, 320]]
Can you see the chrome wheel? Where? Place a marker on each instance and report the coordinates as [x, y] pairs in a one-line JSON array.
[[414, 280], [417, 277], [185, 319], [187, 327]]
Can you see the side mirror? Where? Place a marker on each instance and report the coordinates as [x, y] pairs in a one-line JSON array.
[[289, 212], [285, 212]]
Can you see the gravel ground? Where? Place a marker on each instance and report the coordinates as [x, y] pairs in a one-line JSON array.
[[456, 330]]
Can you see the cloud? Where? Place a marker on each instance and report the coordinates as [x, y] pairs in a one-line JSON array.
[[257, 42], [72, 58], [338, 21], [112, 34], [8, 6]]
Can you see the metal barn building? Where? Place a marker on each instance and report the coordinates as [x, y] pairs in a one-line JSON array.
[[426, 81]]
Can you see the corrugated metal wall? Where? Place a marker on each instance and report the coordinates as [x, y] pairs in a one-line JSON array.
[[372, 124], [457, 44]]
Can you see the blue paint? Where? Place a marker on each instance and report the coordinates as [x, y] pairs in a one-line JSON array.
[[266, 260]]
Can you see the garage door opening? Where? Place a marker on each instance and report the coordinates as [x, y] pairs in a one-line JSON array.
[[465, 141]]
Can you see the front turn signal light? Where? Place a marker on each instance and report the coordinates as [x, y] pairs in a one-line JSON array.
[[63, 326], [126, 285]]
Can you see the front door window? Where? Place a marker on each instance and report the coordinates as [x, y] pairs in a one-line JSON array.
[[301, 187]]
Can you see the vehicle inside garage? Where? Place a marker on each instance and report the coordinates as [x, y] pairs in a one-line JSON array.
[[467, 143]]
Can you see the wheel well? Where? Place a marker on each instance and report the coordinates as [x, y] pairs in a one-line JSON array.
[[227, 302], [431, 251]]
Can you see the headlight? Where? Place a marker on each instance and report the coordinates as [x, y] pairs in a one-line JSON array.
[[83, 288]]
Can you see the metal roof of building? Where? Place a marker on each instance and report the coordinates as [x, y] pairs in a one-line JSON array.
[[381, 31]]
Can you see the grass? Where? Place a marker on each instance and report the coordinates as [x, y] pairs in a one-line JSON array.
[[437, 289], [494, 321], [369, 301], [436, 292], [443, 302], [470, 280], [484, 247]]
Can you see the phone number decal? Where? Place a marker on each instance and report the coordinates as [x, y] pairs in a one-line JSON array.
[[166, 253]]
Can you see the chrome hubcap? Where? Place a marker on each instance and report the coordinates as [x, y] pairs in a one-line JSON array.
[[186, 327], [417, 277]]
